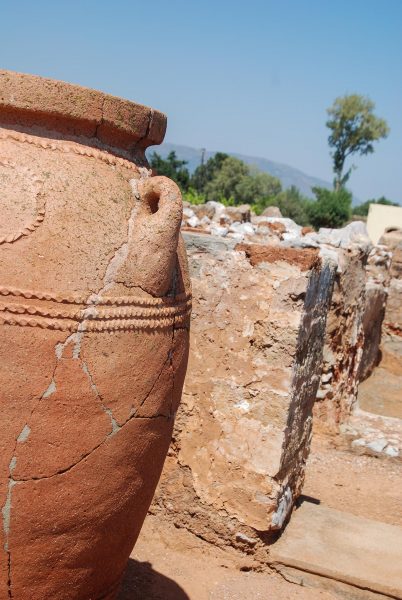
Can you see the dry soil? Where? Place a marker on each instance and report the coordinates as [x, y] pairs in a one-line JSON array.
[[173, 564]]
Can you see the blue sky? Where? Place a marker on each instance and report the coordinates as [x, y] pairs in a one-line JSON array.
[[250, 77]]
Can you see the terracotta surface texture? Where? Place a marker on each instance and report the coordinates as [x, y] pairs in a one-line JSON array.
[[94, 316], [243, 430], [40, 104]]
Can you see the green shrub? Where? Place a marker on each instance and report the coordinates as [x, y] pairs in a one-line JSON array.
[[331, 209], [171, 167], [193, 197], [363, 209]]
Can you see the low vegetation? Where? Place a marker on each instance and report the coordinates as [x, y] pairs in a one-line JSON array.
[[353, 130], [363, 209]]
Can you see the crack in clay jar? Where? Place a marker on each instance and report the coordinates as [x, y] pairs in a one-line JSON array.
[[95, 304]]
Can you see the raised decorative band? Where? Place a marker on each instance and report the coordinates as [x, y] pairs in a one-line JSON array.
[[67, 148], [35, 184], [51, 311], [83, 299]]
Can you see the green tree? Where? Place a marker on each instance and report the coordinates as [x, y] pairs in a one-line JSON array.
[[235, 182], [292, 204], [203, 174], [192, 196], [171, 167], [354, 128], [256, 186], [363, 209], [226, 179], [331, 209]]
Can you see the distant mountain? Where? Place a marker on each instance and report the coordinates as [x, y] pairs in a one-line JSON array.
[[287, 175]]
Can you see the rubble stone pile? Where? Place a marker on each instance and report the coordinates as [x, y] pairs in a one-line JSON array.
[[239, 223]]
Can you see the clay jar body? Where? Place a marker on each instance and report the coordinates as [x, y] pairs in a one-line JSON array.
[[94, 315]]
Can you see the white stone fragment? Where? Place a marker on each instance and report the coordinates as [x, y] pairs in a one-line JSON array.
[[377, 445], [218, 230], [284, 507], [354, 233], [242, 537], [193, 221], [236, 236], [358, 442], [391, 451], [188, 213]]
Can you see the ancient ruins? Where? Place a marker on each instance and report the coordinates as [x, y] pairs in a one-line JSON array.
[[293, 334], [286, 325]]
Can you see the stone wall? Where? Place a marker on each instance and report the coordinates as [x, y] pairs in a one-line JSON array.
[[263, 357], [344, 337], [376, 296], [392, 330], [375, 426], [243, 430]]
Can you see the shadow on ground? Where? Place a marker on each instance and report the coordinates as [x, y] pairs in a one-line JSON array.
[[141, 582]]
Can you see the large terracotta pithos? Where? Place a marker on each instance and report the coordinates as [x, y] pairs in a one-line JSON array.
[[94, 317]]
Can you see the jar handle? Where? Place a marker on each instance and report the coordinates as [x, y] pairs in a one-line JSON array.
[[152, 252]]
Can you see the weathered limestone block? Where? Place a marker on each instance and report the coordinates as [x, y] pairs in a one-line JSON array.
[[271, 211], [344, 337], [376, 294], [380, 394], [392, 329], [391, 345], [241, 213], [243, 430], [392, 239]]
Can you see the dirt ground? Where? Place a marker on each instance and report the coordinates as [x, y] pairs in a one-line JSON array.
[[172, 564], [382, 399], [365, 486], [381, 392]]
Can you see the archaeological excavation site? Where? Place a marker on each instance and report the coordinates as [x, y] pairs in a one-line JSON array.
[[197, 402]]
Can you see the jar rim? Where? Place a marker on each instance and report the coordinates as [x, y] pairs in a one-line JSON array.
[[52, 105]]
